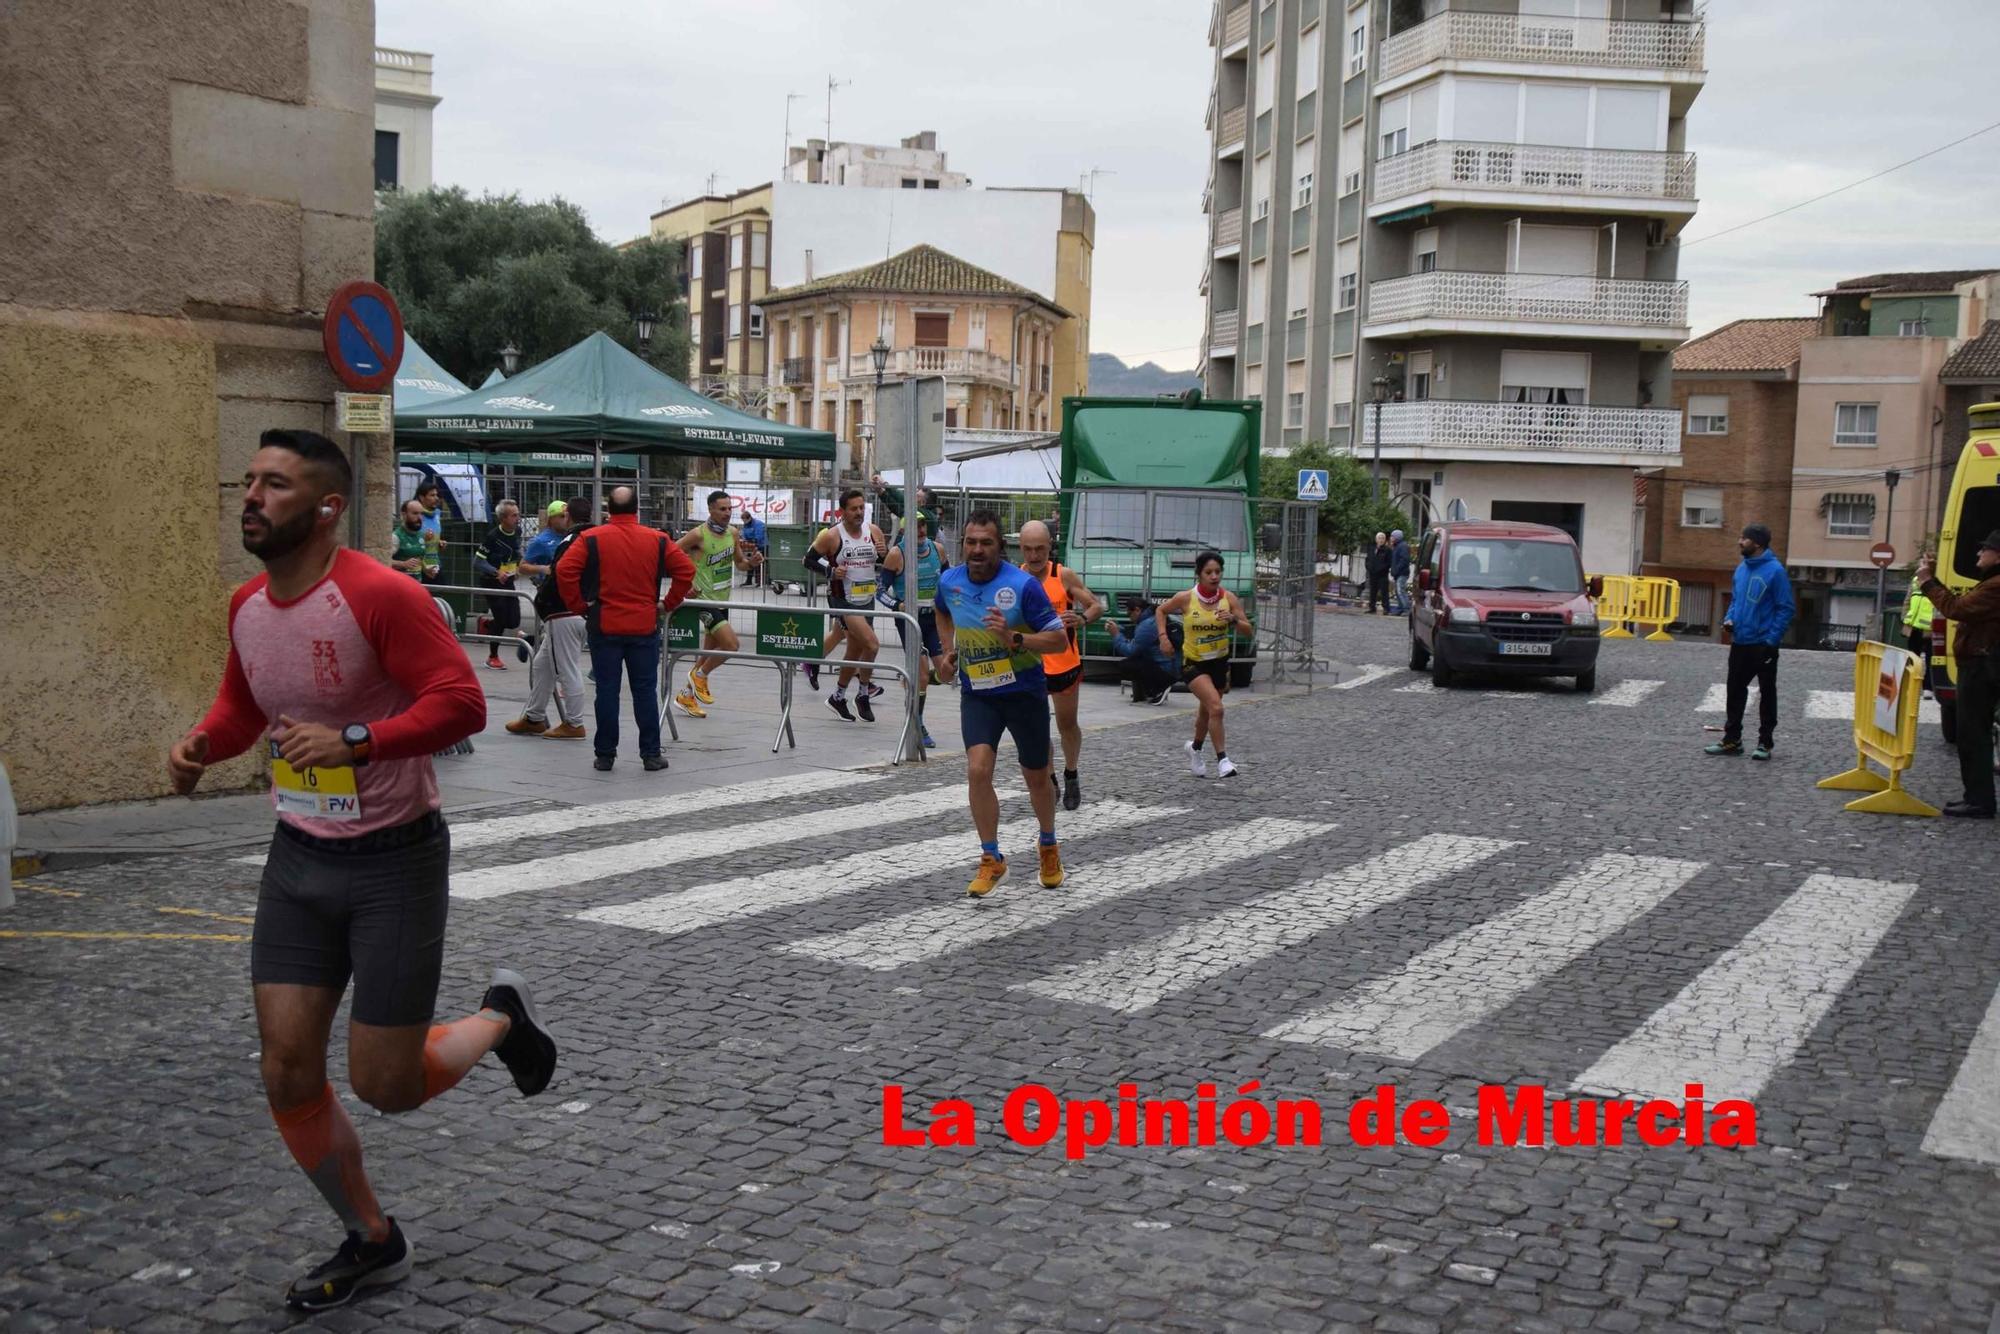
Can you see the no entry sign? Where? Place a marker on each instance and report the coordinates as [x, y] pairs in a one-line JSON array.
[[363, 335], [1883, 555]]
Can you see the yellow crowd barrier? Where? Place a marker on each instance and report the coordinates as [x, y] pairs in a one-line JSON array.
[[1658, 604], [1640, 599], [1614, 606], [1891, 686]]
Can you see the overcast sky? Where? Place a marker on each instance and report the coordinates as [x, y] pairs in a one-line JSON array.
[[623, 105]]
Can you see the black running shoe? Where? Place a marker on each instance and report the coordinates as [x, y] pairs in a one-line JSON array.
[[1072, 794], [864, 708], [870, 690], [811, 670], [521, 650], [358, 1264], [839, 706], [528, 1052]]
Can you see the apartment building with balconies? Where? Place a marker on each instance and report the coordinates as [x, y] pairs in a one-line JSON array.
[[993, 341], [1497, 252]]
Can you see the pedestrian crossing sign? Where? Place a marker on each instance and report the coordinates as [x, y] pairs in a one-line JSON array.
[[1312, 483]]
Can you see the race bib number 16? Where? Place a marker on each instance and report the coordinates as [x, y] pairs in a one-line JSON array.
[[321, 794]]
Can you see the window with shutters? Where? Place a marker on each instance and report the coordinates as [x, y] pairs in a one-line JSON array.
[[1357, 51], [694, 259], [1295, 394], [1302, 192], [933, 330], [1299, 285], [735, 320], [1341, 414], [1708, 414], [1544, 377], [1308, 69], [1701, 507], [756, 321], [1424, 250], [1854, 424], [760, 243], [736, 251], [1260, 287]]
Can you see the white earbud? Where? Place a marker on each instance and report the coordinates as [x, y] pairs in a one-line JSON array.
[[326, 511]]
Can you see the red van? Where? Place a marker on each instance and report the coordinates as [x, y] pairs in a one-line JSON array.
[[1506, 598]]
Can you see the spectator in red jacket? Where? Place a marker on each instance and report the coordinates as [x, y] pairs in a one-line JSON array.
[[612, 576]]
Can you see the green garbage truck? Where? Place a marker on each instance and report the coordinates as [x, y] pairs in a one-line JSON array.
[[1147, 485]]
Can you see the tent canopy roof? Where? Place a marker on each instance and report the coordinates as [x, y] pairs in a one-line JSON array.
[[420, 381], [599, 391]]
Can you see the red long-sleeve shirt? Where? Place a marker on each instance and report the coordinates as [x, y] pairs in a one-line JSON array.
[[612, 574], [364, 645]]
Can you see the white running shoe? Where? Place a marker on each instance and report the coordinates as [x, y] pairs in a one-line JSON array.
[[1196, 764], [1225, 768]]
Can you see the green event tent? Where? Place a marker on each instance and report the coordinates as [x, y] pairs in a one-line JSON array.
[[598, 394], [421, 381], [493, 377]]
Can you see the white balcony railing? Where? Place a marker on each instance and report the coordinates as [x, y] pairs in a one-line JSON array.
[[1222, 328], [1540, 428], [1531, 297], [965, 361], [1229, 227], [1615, 43], [1453, 166]]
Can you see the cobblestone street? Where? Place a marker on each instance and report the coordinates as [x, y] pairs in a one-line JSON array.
[[1504, 882]]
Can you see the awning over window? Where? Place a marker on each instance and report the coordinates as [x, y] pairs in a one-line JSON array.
[[1832, 498]]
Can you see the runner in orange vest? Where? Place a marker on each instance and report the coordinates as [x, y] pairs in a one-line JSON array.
[[1077, 606]]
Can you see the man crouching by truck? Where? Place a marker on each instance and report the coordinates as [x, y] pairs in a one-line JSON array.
[[1977, 611]]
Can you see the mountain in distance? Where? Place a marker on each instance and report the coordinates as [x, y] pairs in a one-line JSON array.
[[1114, 379]]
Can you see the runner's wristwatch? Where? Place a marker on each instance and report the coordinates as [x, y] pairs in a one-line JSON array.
[[1019, 640], [360, 740]]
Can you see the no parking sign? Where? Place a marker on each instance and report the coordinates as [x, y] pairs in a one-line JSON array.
[[363, 336]]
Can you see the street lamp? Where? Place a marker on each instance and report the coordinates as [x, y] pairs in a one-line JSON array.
[[510, 359], [1381, 383], [1889, 478], [878, 352], [645, 320]]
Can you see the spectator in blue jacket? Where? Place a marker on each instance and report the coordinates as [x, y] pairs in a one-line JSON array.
[[758, 536], [539, 557], [1151, 663], [1760, 611], [1399, 570]]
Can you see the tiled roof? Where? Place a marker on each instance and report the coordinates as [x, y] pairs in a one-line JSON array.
[[1746, 345], [920, 269], [1936, 280], [1978, 359]]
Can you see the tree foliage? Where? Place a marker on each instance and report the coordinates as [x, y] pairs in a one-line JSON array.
[[473, 275], [1350, 517]]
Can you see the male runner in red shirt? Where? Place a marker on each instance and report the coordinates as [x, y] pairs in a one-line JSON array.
[[355, 678]]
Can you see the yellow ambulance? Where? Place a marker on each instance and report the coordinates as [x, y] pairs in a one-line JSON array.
[[1970, 514]]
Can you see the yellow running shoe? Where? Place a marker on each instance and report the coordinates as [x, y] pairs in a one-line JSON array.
[[1052, 871], [700, 684], [688, 704], [992, 870]]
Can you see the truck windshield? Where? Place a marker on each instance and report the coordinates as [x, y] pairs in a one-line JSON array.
[[1118, 519], [1501, 563]]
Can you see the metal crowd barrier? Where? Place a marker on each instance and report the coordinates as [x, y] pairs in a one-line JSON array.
[[1641, 600], [906, 747], [1883, 675]]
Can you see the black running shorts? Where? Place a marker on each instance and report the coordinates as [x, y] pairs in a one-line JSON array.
[[1065, 680], [375, 912], [1216, 670], [1021, 714]]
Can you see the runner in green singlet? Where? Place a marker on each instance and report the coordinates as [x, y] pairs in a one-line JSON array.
[[718, 553]]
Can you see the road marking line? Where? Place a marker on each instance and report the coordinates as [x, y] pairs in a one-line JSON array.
[[568, 819], [1838, 706], [1424, 687], [1717, 699], [49, 889], [1480, 971], [1373, 671], [575, 868], [212, 916], [1626, 694], [1751, 1010], [747, 896], [949, 927], [1138, 976], [1967, 1121], [111, 935]]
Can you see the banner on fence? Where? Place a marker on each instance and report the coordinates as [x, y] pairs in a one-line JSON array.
[[785, 633]]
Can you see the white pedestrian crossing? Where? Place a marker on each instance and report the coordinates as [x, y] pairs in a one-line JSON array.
[[1751, 1010], [1967, 1121], [947, 928], [569, 819], [1626, 694], [747, 896], [575, 868], [1476, 973], [1373, 671], [1716, 700], [1420, 687], [1139, 976]]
